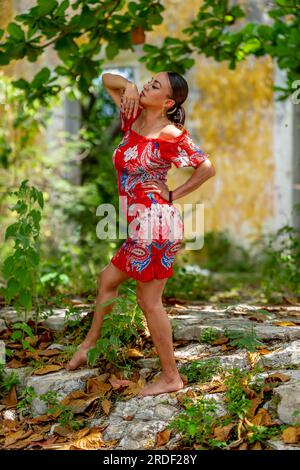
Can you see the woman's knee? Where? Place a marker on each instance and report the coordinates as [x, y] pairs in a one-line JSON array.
[[106, 281], [148, 304]]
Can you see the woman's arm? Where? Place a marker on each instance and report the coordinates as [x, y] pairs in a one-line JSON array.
[[201, 174], [115, 86]]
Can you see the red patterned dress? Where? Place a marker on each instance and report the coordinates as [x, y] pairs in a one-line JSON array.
[[155, 225]]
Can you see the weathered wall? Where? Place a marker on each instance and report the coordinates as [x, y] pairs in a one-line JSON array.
[[230, 114]]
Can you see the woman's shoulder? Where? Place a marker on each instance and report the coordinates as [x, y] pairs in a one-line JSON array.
[[173, 132]]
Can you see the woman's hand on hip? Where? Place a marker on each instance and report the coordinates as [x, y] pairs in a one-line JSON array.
[[156, 186]]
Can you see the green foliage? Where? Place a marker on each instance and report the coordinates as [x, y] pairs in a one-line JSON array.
[[21, 269], [79, 57], [208, 335], [221, 253], [78, 40], [238, 405], [199, 419], [124, 322], [246, 338], [21, 331], [195, 423], [66, 416], [263, 433], [28, 394], [210, 34], [7, 381], [281, 266], [201, 371]]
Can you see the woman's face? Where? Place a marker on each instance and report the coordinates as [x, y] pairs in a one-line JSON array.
[[156, 91]]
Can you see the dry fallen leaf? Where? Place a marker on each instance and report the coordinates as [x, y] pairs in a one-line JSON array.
[[117, 383], [162, 437], [97, 385], [13, 437], [23, 443], [222, 433], [79, 401], [243, 446], [48, 352], [256, 446], [253, 358], [262, 418], [254, 404], [132, 353], [92, 441], [285, 323], [264, 351], [47, 369], [129, 418], [277, 377], [291, 435], [106, 404], [11, 398], [47, 442], [219, 341], [14, 364]]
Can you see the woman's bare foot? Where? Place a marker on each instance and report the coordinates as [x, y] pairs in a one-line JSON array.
[[79, 358], [162, 385]]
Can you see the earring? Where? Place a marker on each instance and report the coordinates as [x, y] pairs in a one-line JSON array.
[[163, 114]]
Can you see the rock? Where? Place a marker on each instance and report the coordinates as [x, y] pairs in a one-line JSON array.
[[98, 422], [229, 361], [149, 362], [2, 353], [289, 354], [23, 373], [191, 327], [63, 382], [219, 399], [141, 436], [62, 347], [190, 351], [277, 444], [2, 325], [145, 371], [288, 401], [148, 415]]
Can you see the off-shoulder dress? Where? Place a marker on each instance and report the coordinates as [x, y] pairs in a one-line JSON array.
[[156, 227]]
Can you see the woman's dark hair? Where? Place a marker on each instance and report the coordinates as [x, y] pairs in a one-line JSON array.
[[180, 92]]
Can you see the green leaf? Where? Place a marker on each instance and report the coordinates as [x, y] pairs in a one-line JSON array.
[[26, 300], [111, 50], [21, 83], [11, 230], [266, 32], [24, 327], [4, 58], [46, 7], [40, 199], [21, 275], [41, 78], [251, 45], [62, 8], [16, 32], [16, 335], [8, 266], [12, 287]]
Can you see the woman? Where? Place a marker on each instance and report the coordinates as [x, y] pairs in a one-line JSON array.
[[154, 138]]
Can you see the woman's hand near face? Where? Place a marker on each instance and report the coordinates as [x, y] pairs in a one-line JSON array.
[[130, 100]]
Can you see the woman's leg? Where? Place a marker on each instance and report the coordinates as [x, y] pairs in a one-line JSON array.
[[108, 281], [149, 298]]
